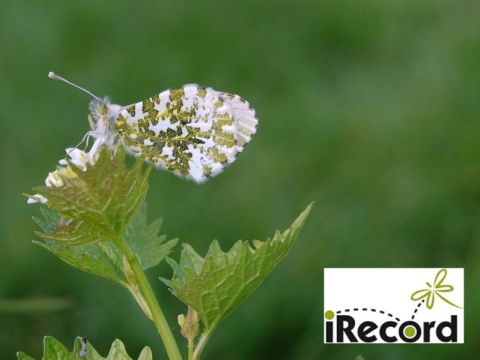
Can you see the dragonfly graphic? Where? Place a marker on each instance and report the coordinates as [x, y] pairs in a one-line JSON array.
[[437, 289]]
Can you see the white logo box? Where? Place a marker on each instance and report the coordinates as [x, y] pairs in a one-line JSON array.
[[375, 305]]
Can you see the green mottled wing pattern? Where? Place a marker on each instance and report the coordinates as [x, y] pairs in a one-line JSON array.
[[192, 131]]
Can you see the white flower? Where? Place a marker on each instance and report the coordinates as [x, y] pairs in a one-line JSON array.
[[81, 158], [53, 179], [37, 198], [77, 157]]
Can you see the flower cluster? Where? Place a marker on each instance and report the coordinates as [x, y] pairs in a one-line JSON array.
[[76, 157]]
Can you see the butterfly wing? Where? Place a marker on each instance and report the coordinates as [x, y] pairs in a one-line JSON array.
[[192, 131]]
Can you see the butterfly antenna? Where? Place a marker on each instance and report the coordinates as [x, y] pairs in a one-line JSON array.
[[54, 76]]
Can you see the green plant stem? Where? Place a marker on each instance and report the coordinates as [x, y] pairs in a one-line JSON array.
[[157, 314], [201, 345], [190, 349]]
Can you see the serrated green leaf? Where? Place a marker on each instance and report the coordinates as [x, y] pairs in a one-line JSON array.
[[104, 259], [48, 223], [100, 258], [145, 241], [93, 212], [117, 351], [216, 284], [95, 205], [146, 354], [54, 350]]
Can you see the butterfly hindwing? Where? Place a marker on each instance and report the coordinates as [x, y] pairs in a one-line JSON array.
[[193, 131]]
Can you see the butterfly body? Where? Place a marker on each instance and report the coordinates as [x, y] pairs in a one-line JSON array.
[[192, 131]]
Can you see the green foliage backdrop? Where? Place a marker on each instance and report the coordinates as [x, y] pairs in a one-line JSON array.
[[371, 108]]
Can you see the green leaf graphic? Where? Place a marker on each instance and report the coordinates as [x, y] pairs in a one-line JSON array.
[[437, 289]]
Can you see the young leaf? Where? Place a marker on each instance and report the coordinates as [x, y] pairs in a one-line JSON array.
[[98, 258], [54, 350], [96, 204], [93, 212], [144, 239], [103, 258], [216, 284], [94, 208]]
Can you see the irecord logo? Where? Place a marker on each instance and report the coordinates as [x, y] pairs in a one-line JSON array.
[[386, 306], [345, 327]]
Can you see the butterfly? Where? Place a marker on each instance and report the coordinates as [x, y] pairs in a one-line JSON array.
[[192, 131]]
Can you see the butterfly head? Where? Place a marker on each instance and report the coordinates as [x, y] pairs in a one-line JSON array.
[[102, 110], [104, 114]]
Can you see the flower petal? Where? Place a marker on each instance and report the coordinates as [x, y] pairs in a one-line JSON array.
[[37, 198]]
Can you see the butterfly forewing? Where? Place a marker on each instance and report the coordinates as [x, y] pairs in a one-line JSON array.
[[193, 131]]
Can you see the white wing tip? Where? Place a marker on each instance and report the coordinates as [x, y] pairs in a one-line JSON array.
[[244, 117]]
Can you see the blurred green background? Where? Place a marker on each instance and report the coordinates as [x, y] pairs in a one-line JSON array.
[[371, 108]]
